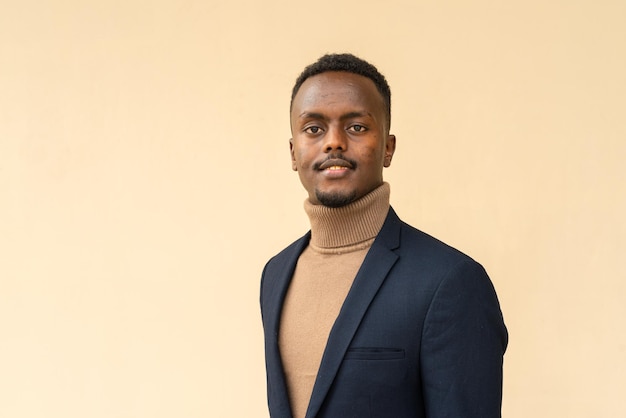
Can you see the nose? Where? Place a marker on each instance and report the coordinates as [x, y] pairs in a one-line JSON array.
[[335, 140]]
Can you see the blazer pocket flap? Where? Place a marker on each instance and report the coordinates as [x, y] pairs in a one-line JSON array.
[[374, 353]]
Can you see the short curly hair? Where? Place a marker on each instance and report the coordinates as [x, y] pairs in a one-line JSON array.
[[351, 64]]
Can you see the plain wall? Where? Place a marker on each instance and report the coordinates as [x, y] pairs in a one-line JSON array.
[[145, 180]]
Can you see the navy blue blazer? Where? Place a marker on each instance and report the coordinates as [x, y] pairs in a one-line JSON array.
[[420, 334]]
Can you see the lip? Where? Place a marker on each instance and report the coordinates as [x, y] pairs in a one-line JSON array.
[[335, 164]]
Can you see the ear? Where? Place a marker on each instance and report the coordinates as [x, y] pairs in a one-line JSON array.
[[294, 166], [390, 148]]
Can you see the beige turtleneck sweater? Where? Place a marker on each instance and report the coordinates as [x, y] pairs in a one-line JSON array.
[[340, 239]]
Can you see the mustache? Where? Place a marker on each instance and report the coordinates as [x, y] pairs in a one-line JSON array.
[[335, 157]]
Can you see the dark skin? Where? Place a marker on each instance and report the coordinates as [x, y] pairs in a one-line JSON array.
[[341, 139]]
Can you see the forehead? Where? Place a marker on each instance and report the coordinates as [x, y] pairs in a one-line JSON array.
[[336, 90]]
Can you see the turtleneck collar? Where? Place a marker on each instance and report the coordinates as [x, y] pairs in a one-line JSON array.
[[354, 225]]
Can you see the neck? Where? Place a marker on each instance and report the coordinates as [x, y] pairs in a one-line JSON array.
[[350, 225]]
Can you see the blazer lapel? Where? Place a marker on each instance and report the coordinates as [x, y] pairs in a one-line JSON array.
[[273, 303], [376, 265]]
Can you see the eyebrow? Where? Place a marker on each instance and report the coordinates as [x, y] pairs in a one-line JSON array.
[[349, 115]]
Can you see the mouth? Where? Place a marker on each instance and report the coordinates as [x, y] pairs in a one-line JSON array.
[[336, 164]]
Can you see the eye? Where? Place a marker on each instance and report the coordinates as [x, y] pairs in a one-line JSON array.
[[313, 130], [357, 128]]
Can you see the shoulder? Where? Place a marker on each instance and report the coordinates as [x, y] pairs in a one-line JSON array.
[[415, 240], [289, 252], [285, 259], [424, 262], [457, 283], [419, 245]]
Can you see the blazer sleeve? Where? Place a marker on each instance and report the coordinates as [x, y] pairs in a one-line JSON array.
[[463, 343]]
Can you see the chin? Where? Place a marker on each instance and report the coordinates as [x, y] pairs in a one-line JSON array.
[[335, 199]]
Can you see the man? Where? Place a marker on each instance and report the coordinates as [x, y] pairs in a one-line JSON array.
[[365, 316]]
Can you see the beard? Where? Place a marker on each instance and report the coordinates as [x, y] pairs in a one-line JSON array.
[[335, 200]]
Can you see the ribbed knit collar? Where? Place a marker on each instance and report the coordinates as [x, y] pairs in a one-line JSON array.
[[358, 223]]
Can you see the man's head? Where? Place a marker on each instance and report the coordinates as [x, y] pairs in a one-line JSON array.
[[340, 112]]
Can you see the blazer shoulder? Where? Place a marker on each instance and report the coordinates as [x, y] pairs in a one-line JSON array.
[[434, 259], [427, 242], [289, 252], [417, 243]]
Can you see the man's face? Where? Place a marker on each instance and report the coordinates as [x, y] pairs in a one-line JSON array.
[[340, 138]]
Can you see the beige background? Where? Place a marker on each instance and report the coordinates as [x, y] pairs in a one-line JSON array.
[[145, 180]]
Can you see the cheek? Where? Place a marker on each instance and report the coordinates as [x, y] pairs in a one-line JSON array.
[[302, 158], [372, 155]]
